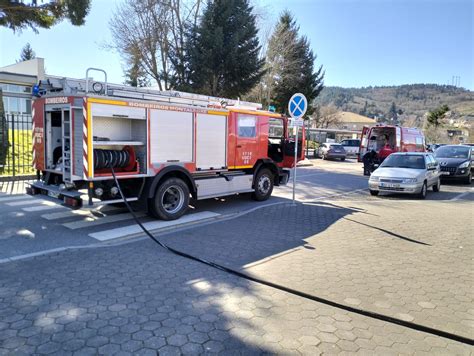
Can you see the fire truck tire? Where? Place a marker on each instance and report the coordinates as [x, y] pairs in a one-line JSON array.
[[263, 185], [171, 199]]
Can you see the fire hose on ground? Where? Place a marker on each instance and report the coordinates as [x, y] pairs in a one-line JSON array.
[[298, 293]]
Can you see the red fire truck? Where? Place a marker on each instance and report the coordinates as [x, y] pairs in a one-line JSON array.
[[399, 139], [163, 146]]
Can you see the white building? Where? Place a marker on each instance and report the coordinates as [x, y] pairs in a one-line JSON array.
[[16, 81]]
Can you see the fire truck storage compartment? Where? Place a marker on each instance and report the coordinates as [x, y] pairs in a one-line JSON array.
[[119, 134], [171, 136], [211, 142], [377, 137], [216, 187], [57, 138]]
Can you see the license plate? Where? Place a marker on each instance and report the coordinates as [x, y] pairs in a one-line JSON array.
[[389, 185], [445, 173], [53, 194]]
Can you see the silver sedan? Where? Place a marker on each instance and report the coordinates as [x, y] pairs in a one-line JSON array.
[[408, 173]]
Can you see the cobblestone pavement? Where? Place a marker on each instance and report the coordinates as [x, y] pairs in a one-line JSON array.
[[137, 298], [409, 260]]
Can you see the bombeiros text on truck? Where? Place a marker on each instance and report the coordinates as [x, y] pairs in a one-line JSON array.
[[164, 147]]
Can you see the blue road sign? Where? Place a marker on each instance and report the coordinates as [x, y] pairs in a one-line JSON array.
[[297, 106]]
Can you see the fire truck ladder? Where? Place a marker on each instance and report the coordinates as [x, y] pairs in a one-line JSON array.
[[69, 86], [66, 127]]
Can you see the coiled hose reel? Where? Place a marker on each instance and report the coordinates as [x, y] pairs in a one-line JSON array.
[[104, 159]]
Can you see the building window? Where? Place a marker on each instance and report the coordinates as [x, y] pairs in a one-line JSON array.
[[14, 105], [14, 88], [5, 105]]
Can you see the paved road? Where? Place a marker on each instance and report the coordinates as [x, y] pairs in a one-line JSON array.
[[397, 256], [137, 298], [34, 224]]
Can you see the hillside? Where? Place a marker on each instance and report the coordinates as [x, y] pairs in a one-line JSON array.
[[411, 101]]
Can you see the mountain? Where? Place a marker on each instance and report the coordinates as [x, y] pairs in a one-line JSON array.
[[411, 101]]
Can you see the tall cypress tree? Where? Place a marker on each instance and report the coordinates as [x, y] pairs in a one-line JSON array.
[[222, 51], [290, 65]]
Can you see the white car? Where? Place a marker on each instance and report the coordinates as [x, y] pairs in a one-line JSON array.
[[408, 172], [351, 146]]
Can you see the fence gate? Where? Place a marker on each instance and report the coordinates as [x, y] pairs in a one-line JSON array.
[[16, 146]]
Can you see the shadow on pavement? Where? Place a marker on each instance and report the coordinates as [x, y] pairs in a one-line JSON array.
[[258, 234]]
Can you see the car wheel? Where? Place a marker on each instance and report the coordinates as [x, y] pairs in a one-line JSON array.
[[424, 190], [343, 159], [437, 186], [374, 192], [171, 199], [263, 185], [468, 179]]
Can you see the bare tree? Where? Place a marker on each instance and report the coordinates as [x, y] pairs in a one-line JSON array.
[[325, 117], [157, 29], [435, 134]]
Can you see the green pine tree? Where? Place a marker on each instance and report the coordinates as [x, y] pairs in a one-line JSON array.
[[435, 116], [222, 51], [290, 63], [18, 15], [27, 53]]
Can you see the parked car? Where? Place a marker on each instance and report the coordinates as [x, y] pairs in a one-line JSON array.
[[408, 173], [434, 146], [331, 151], [456, 162], [351, 146]]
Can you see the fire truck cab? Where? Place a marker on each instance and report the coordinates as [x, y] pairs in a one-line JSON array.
[[164, 147]]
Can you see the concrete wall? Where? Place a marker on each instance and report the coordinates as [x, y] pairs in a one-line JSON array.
[[33, 67]]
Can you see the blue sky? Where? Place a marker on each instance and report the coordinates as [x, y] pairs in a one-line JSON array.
[[359, 43]]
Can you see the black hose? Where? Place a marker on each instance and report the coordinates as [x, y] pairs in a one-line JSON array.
[[110, 158], [298, 293]]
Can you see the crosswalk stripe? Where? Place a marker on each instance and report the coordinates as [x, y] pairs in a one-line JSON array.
[[79, 212], [43, 207], [94, 221], [4, 198], [27, 202], [153, 225]]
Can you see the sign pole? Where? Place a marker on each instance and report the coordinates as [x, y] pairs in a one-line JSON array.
[[296, 160], [297, 107]]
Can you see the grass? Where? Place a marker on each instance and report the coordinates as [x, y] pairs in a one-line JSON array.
[[20, 149]]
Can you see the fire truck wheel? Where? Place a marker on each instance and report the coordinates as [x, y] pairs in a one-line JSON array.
[[171, 199], [263, 185]]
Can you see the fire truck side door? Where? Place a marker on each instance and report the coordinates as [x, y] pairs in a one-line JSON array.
[[246, 147], [363, 143], [289, 145]]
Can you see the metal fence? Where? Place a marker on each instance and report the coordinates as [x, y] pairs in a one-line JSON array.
[[16, 146]]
